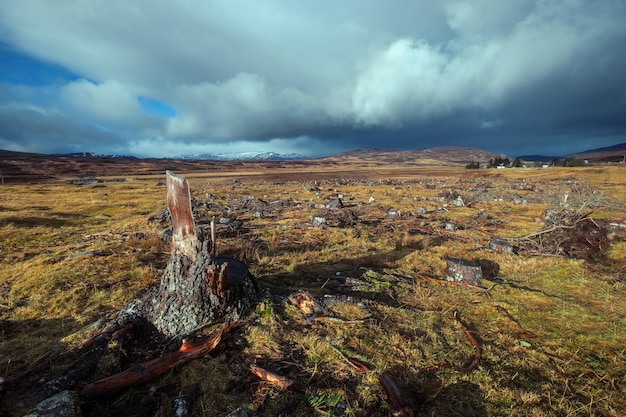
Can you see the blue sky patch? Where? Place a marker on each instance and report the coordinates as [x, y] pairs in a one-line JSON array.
[[17, 68], [157, 107]]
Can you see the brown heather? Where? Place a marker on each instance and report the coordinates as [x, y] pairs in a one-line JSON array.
[[72, 255]]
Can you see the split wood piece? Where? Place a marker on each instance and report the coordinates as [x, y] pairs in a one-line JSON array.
[[477, 349], [144, 372], [184, 236], [276, 380]]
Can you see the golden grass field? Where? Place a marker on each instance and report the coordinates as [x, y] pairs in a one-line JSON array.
[[72, 255]]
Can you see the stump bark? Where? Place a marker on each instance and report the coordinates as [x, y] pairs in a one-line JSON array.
[[196, 288]]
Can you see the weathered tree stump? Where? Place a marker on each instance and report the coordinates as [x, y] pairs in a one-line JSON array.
[[464, 271], [501, 246], [196, 289]]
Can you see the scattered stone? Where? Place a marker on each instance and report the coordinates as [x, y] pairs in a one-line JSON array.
[[335, 203], [458, 202], [318, 221], [180, 407], [421, 211], [450, 227], [393, 213], [63, 404]]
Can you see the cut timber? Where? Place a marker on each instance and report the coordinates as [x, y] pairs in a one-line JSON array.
[[463, 271], [196, 289]]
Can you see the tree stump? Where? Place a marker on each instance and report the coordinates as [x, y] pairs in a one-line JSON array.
[[463, 271], [501, 246], [196, 289]]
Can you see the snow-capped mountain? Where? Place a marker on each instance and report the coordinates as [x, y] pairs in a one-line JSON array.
[[240, 156]]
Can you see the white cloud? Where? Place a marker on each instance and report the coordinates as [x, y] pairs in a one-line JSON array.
[[109, 101], [244, 106]]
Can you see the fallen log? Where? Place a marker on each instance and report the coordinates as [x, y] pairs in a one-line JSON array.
[[147, 371]]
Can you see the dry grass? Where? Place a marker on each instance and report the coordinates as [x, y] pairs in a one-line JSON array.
[[73, 254]]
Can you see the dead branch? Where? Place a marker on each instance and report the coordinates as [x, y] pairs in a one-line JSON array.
[[523, 333], [400, 403], [338, 320], [140, 373], [477, 349]]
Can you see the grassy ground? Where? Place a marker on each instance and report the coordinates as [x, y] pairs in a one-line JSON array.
[[552, 332]]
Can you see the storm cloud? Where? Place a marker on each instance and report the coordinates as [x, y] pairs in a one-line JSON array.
[[516, 77]]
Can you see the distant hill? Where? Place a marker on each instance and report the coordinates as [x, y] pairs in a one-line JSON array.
[[613, 153], [538, 158], [445, 155], [241, 156], [620, 147]]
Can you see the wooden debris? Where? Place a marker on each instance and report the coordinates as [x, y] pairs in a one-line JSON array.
[[568, 233], [523, 333], [305, 302], [477, 348], [274, 379], [141, 373], [400, 403]]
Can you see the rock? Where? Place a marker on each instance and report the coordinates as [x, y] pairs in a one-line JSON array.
[[318, 221], [64, 404], [393, 213], [335, 203], [420, 211]]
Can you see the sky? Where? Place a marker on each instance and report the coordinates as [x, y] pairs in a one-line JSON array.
[[159, 78]]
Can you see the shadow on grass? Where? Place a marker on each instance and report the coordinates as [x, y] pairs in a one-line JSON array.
[[32, 352]]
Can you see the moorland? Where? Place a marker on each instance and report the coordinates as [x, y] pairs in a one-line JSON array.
[[81, 239]]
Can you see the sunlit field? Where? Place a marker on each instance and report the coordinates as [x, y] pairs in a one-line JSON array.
[[550, 328]]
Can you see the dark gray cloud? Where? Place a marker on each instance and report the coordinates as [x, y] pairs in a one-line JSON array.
[[27, 127], [520, 76]]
